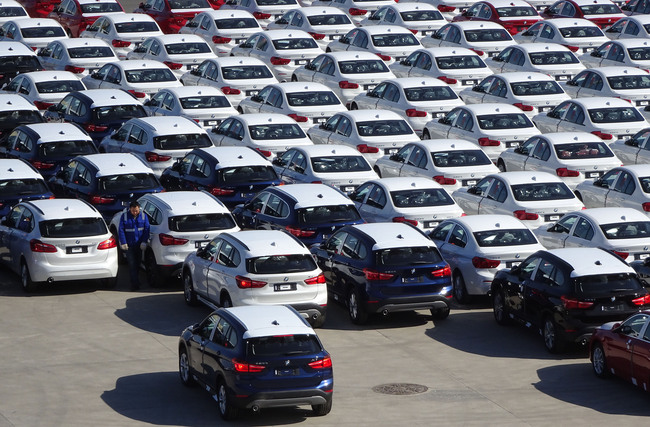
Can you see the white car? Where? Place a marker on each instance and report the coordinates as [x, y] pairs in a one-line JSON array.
[[573, 156], [546, 58], [421, 18], [141, 78], [457, 66], [625, 187], [635, 150], [270, 134], [265, 11], [44, 88], [530, 92], [628, 83], [624, 231], [157, 141], [452, 163], [52, 240], [415, 200], [282, 50], [237, 77], [494, 127], [485, 38], [32, 32], [606, 117], [630, 27], [79, 56], [575, 33], [123, 31], [631, 52], [180, 52], [634, 8], [340, 166], [206, 105], [324, 23], [357, 9], [222, 29], [450, 8], [534, 198], [348, 74], [180, 223], [390, 42], [477, 246], [308, 104], [374, 133], [417, 99], [11, 9]]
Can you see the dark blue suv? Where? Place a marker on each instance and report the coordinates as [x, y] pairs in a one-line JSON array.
[[254, 357], [20, 181], [385, 267]]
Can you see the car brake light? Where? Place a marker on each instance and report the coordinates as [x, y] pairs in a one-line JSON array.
[[443, 8], [120, 43], [414, 31], [480, 262], [276, 60], [167, 240], [42, 165], [42, 105], [623, 255], [299, 232], [442, 272], [315, 280], [487, 142], [408, 221], [357, 12], [601, 135], [95, 128], [646, 207], [448, 80], [525, 216], [348, 85], [317, 182], [247, 367], [564, 172], [645, 299], [384, 57], [246, 283], [227, 90], [478, 52], [572, 303], [376, 275], [299, 119], [442, 180], [260, 15], [221, 40], [75, 70], [216, 191], [324, 363], [137, 94], [173, 65], [99, 200], [107, 244], [364, 148], [38, 246], [265, 153], [412, 112], [317, 36], [155, 157], [572, 48], [523, 107]]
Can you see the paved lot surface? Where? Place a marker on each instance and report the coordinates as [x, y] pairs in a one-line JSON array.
[[75, 355]]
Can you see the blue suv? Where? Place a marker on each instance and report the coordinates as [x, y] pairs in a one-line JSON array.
[[20, 181]]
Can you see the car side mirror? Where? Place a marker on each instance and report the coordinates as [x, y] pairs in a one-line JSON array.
[[278, 162], [497, 59], [176, 166], [625, 7], [231, 2], [527, 33], [54, 108], [553, 114], [436, 36], [572, 83], [515, 270], [145, 6], [344, 39], [44, 52], [139, 49], [256, 98], [246, 45], [373, 18], [113, 136], [623, 329], [472, 190], [405, 62], [600, 183], [520, 150], [195, 72]]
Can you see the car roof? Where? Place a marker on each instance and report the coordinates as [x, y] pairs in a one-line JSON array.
[[477, 25], [490, 222], [542, 47], [634, 42], [409, 82], [591, 261], [291, 87], [169, 125], [328, 150], [35, 22], [365, 115], [126, 17], [50, 132], [601, 102], [11, 48], [448, 51], [506, 3], [138, 64], [620, 71], [268, 242], [399, 183], [264, 119], [320, 10], [569, 22], [555, 138], [17, 169], [410, 6], [590, 2], [384, 29], [97, 1], [189, 202], [229, 61], [641, 19], [393, 235], [523, 76], [640, 169], [12, 101], [352, 55], [117, 164], [269, 320], [49, 75], [435, 145], [182, 91], [10, 3], [64, 208], [229, 156], [612, 215], [526, 177], [227, 13], [493, 108], [79, 42], [104, 97], [311, 195]]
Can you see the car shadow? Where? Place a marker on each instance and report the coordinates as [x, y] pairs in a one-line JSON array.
[[338, 319]]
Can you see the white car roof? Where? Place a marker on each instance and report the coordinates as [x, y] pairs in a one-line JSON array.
[[290, 87], [641, 19], [310, 195], [448, 51], [183, 91], [351, 55], [435, 145], [526, 177], [569, 22], [328, 150], [263, 119], [600, 102], [166, 39], [269, 320], [409, 82], [384, 29], [477, 25], [285, 34], [103, 97], [229, 156], [46, 76], [18, 169], [320, 10], [80, 42], [12, 101], [494, 108], [399, 183], [394, 235], [411, 5], [372, 115], [129, 17], [631, 43], [50, 132], [523, 76], [139, 64], [490, 222], [11, 48], [169, 125], [227, 13], [555, 138], [614, 215], [542, 47], [65, 208], [619, 71], [117, 164], [590, 2], [189, 202], [35, 22], [10, 3], [269, 242], [507, 3], [638, 169], [229, 61], [591, 261]]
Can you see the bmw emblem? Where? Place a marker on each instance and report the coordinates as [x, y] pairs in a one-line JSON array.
[[612, 299], [333, 227], [517, 256], [413, 271], [627, 131], [322, 114], [287, 362], [394, 144], [555, 210], [286, 279], [131, 195], [77, 242], [471, 175], [645, 248], [548, 102], [207, 236], [516, 137], [595, 167], [435, 216], [250, 187], [195, 60], [350, 181]]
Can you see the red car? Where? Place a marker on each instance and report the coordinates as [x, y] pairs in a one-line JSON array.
[[601, 12], [39, 8], [514, 15], [76, 15], [171, 15], [623, 349]]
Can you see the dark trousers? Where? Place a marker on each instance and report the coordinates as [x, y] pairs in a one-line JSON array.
[[134, 258]]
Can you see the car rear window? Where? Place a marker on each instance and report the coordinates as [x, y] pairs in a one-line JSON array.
[[150, 75], [384, 128], [20, 62], [541, 191], [513, 237], [589, 150], [460, 62], [614, 115], [317, 20], [421, 198], [181, 141], [363, 66], [399, 257], [118, 112], [63, 149], [489, 35], [549, 87], [607, 284], [196, 102], [187, 48], [91, 52], [136, 27], [7, 12], [40, 32], [504, 121], [429, 93], [552, 58], [72, 227], [283, 345], [570, 32], [626, 230], [629, 82], [100, 7], [340, 164], [288, 44], [246, 72], [392, 40], [327, 214], [13, 119], [421, 15], [236, 23], [58, 86], [188, 4], [128, 182], [22, 187], [277, 131], [443, 159], [246, 174], [600, 9], [516, 11], [280, 264], [310, 99], [201, 222]]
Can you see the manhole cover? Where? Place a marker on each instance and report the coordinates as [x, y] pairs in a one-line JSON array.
[[400, 389]]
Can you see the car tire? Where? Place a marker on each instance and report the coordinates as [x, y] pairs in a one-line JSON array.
[[328, 50], [552, 341], [459, 289], [26, 279], [226, 302], [153, 273], [579, 196], [357, 312], [499, 308], [426, 134], [226, 409], [354, 106], [188, 290], [501, 165], [440, 313], [294, 78], [184, 370], [599, 361], [324, 409], [377, 171]]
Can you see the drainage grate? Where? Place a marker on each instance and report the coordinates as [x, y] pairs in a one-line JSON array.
[[400, 389]]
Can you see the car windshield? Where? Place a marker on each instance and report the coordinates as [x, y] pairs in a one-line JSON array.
[[207, 101], [283, 345], [317, 20], [401, 257], [58, 86], [188, 4], [508, 237], [639, 53], [600, 9], [583, 150], [201, 222], [504, 121], [246, 174], [309, 99], [541, 191], [280, 264], [9, 12], [607, 284], [626, 230], [183, 141], [246, 72], [549, 87], [136, 27], [489, 35], [429, 93], [615, 115], [277, 131], [421, 15], [128, 182], [100, 7], [552, 58], [516, 11], [421, 198], [22, 187], [150, 75], [72, 227], [339, 164], [236, 23], [384, 128], [629, 82], [65, 149], [91, 52], [385, 40], [363, 66], [460, 62], [40, 32], [187, 48], [289, 44], [459, 158], [327, 214], [570, 32], [19, 62], [112, 113]]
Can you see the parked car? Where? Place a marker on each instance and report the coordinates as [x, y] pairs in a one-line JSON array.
[[624, 186], [34, 33], [633, 150], [419, 17], [547, 58], [601, 12], [16, 58], [78, 56], [76, 15], [623, 52], [172, 15], [324, 23], [579, 35], [265, 11], [15, 111], [222, 29], [629, 83], [631, 26], [20, 181], [514, 15], [44, 88], [485, 38]]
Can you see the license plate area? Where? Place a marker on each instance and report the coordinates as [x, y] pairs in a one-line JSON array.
[[469, 82], [594, 174], [543, 109], [286, 372], [554, 217], [252, 92], [391, 150], [284, 287], [431, 224], [71, 250], [247, 195], [370, 86], [414, 279], [301, 61], [200, 243], [643, 103], [467, 182], [510, 144], [641, 256], [562, 77], [612, 307]]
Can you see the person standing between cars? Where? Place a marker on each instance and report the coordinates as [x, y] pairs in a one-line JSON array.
[[133, 235]]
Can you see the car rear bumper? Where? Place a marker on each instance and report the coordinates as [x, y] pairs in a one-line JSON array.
[[310, 311], [51, 273], [408, 303], [278, 399]]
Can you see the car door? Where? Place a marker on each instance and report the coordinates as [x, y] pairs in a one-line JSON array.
[[115, 142], [282, 162], [155, 104], [634, 150], [597, 56], [515, 61], [222, 273], [325, 72], [307, 72], [641, 357], [375, 204], [497, 92], [325, 255], [550, 121], [541, 293], [255, 103], [595, 195], [342, 133], [197, 342], [620, 351], [620, 194], [615, 56], [359, 197], [416, 164], [463, 126], [270, 218], [470, 201], [387, 99], [273, 102], [537, 159], [392, 166], [112, 80], [518, 158], [422, 66], [455, 249], [494, 201], [220, 350], [296, 167], [556, 235], [643, 155], [8, 237], [513, 289], [592, 85], [582, 235]]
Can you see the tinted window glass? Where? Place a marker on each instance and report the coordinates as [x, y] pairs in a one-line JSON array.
[[150, 75], [26, 62], [629, 82], [72, 227], [12, 119], [280, 264], [187, 48], [457, 62], [182, 141], [552, 58], [408, 256], [91, 52], [536, 88], [7, 12], [362, 67], [460, 158], [287, 44], [421, 198], [304, 99], [274, 2], [569, 32], [541, 191], [628, 230], [118, 112], [136, 27], [62, 149], [613, 115], [588, 150], [20, 187], [431, 93], [604, 284], [128, 182], [328, 20], [504, 121], [57, 86], [491, 35], [279, 131], [389, 40], [600, 9], [505, 237], [511, 12], [246, 174], [246, 72], [236, 23], [37, 32], [327, 214], [194, 102], [339, 164], [384, 127], [201, 222], [188, 4], [100, 7], [283, 345], [421, 15]]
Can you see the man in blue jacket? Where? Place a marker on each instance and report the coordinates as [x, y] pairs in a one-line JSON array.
[[133, 234]]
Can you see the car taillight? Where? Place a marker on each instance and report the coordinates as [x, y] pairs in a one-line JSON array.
[[646, 207], [42, 105], [623, 255], [155, 157], [448, 80], [408, 221], [299, 119], [443, 8], [137, 94], [487, 142], [42, 165], [442, 272], [645, 299], [107, 244], [265, 153], [173, 65], [315, 280], [601, 135], [572, 48], [442, 180], [298, 232], [357, 12], [478, 52], [348, 85], [564, 172], [384, 57], [260, 15], [75, 70], [480, 262], [572, 303], [120, 43], [221, 40], [414, 31], [99, 200], [321, 364], [217, 191], [276, 60], [95, 128], [167, 240], [525, 216], [317, 182], [247, 367], [317, 36], [523, 107], [38, 246], [246, 283], [227, 90], [412, 112], [376, 275], [363, 148]]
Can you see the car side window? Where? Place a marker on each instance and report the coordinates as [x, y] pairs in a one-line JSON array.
[[327, 67], [517, 57], [81, 175], [391, 93], [441, 232], [344, 127], [207, 327], [547, 32], [616, 53], [453, 36], [418, 158], [498, 88], [464, 121], [632, 29], [225, 335], [559, 111], [608, 179], [528, 146], [581, 78], [390, 15], [528, 268], [137, 136], [564, 225], [361, 40], [14, 216], [424, 62], [506, 54], [57, 52], [274, 99], [594, 82], [498, 191], [403, 153], [542, 151], [257, 203], [154, 214], [568, 10], [334, 243], [298, 163], [458, 237], [351, 246], [485, 12], [482, 186], [633, 326], [200, 168], [236, 130], [625, 183], [26, 222], [549, 274], [262, 44], [331, 124], [584, 230], [228, 255], [377, 198], [575, 114], [360, 194], [276, 207]]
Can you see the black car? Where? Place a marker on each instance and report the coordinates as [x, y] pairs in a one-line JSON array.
[[15, 111], [385, 267], [567, 293]]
